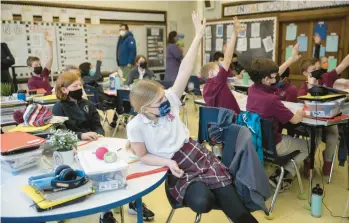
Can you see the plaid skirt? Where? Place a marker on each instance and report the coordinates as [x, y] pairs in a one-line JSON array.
[[198, 164]]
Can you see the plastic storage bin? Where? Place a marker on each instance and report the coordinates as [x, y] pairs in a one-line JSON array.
[[21, 161], [104, 176], [324, 109]]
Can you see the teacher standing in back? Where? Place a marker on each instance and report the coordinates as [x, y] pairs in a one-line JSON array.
[[126, 50], [174, 56]]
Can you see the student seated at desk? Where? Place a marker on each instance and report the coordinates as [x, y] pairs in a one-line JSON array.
[[84, 120], [216, 91], [263, 101], [140, 71], [91, 75], [316, 77], [40, 77], [158, 137], [285, 89], [218, 57]]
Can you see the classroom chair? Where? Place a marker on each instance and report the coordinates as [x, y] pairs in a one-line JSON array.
[[175, 205], [127, 113], [92, 95], [270, 155], [193, 88]]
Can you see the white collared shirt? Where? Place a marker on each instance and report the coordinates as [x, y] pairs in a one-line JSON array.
[[141, 73], [166, 137]]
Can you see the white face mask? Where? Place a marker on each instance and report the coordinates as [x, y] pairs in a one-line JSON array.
[[122, 32]]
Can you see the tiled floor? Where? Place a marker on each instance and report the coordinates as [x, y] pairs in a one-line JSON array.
[[288, 209]]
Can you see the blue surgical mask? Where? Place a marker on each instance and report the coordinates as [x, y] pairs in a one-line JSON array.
[[164, 109], [92, 72], [220, 64], [280, 84]]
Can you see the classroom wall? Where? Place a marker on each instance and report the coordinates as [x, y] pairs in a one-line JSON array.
[[216, 12]]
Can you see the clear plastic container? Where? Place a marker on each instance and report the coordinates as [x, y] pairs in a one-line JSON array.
[[104, 176], [21, 161], [324, 109]]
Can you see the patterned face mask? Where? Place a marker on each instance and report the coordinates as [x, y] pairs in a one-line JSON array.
[[164, 109]]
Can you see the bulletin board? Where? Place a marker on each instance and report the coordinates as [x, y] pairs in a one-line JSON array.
[[257, 41], [156, 46]]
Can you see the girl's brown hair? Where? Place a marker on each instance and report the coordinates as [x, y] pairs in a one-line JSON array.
[[139, 57], [143, 93], [64, 80]]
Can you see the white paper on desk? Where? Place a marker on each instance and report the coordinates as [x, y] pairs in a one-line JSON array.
[[255, 43], [242, 44], [208, 44], [243, 33], [219, 44], [268, 44], [255, 29], [47, 17], [230, 30], [208, 32], [80, 19], [155, 31]]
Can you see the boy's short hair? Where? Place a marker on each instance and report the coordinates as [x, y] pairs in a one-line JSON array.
[[85, 68], [307, 63], [205, 70], [31, 59], [64, 80], [262, 68], [217, 55]]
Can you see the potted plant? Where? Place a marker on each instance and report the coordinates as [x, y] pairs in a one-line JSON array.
[[63, 142]]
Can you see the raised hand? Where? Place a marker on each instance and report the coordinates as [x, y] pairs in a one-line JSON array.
[[48, 38], [237, 26], [100, 56], [199, 27], [295, 53], [317, 39]]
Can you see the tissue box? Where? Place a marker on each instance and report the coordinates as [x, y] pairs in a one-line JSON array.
[[104, 176], [327, 109]]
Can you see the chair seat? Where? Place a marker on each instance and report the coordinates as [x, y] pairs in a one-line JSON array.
[[282, 160]]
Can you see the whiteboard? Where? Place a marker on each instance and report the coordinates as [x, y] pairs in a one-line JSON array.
[[15, 36]]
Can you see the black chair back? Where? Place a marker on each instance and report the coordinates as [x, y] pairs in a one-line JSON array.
[[194, 81], [92, 94], [207, 115]]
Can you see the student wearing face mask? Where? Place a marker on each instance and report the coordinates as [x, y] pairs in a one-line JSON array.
[[140, 72], [89, 74], [40, 76], [321, 62], [126, 50]]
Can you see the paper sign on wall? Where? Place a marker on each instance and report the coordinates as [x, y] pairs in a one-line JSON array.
[[219, 31], [64, 17], [288, 52], [255, 43], [208, 32], [243, 33], [241, 44], [321, 29], [268, 44], [332, 64], [95, 20], [47, 17], [332, 43], [27, 16], [208, 44], [255, 29], [291, 32], [219, 44], [230, 30], [6, 15], [80, 19], [303, 43]]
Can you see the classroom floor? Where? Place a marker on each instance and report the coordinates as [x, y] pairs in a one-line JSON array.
[[288, 208]]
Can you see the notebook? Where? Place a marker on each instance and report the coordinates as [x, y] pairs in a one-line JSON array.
[[41, 204], [28, 128], [329, 97], [16, 142], [45, 99]]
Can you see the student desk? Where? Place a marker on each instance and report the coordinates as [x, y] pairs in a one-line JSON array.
[[16, 204], [311, 124]]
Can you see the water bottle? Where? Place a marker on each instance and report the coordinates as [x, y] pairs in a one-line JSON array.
[[112, 82], [22, 95], [245, 78], [117, 82], [316, 201]]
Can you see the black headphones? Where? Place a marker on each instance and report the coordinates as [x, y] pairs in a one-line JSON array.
[[318, 91], [66, 177]]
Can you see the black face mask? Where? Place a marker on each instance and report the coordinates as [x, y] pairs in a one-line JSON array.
[[318, 73], [235, 63], [143, 65], [38, 70], [76, 95]]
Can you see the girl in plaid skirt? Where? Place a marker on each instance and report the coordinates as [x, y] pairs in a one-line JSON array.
[[158, 137]]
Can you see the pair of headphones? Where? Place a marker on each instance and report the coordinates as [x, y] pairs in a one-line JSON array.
[[63, 177]]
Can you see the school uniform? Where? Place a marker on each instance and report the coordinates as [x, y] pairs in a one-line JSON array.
[[263, 101], [137, 74], [216, 92], [327, 80], [288, 92], [42, 81], [169, 138], [83, 116]]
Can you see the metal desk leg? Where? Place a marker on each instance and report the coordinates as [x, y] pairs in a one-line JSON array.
[[312, 157], [139, 210]]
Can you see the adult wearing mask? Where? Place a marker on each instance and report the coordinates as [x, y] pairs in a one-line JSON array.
[[7, 60], [174, 56], [140, 71], [126, 50]]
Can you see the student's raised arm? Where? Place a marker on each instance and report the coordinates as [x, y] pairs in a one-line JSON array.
[[317, 40], [188, 62], [228, 54], [343, 65], [49, 40], [293, 58]]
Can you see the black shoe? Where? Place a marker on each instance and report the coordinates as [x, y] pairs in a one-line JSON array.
[[112, 124], [286, 182], [148, 215], [107, 218]]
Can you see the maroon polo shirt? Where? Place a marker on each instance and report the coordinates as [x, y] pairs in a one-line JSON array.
[[263, 101], [43, 81], [327, 80], [288, 92], [216, 92]]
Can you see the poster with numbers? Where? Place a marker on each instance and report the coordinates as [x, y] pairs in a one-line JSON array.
[[156, 47]]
